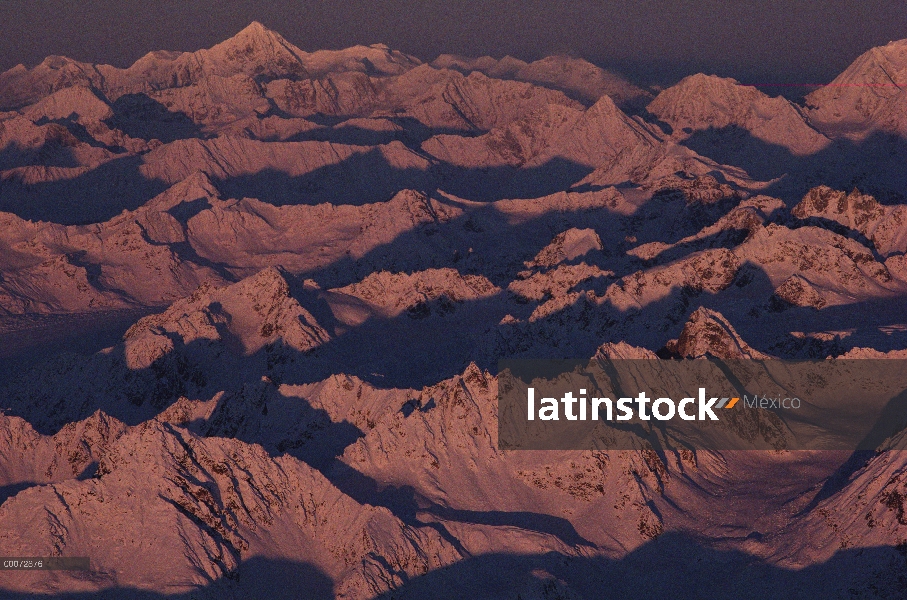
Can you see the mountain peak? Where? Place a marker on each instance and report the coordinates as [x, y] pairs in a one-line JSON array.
[[708, 102], [709, 333], [78, 100], [256, 30], [196, 186], [253, 32], [867, 96], [700, 92], [256, 50], [245, 315], [255, 26]]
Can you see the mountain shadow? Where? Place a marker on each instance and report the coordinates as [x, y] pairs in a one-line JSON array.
[[8, 491], [874, 323], [674, 565], [366, 178], [874, 165], [28, 340], [363, 178], [89, 196], [56, 151], [408, 130], [79, 132], [140, 116], [486, 184]]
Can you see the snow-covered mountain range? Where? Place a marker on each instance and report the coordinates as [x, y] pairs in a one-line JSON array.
[[252, 301]]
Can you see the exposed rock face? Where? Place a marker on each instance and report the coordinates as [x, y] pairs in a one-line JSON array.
[[704, 189], [568, 246], [827, 259], [797, 291], [556, 282], [710, 270], [397, 292], [884, 226], [708, 333]]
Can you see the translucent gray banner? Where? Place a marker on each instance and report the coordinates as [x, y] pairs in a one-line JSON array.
[[703, 404]]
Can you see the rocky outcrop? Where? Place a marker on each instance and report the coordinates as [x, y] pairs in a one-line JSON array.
[[884, 226], [709, 333], [796, 291], [396, 292]]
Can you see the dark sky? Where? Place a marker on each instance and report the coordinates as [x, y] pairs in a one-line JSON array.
[[776, 41]]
